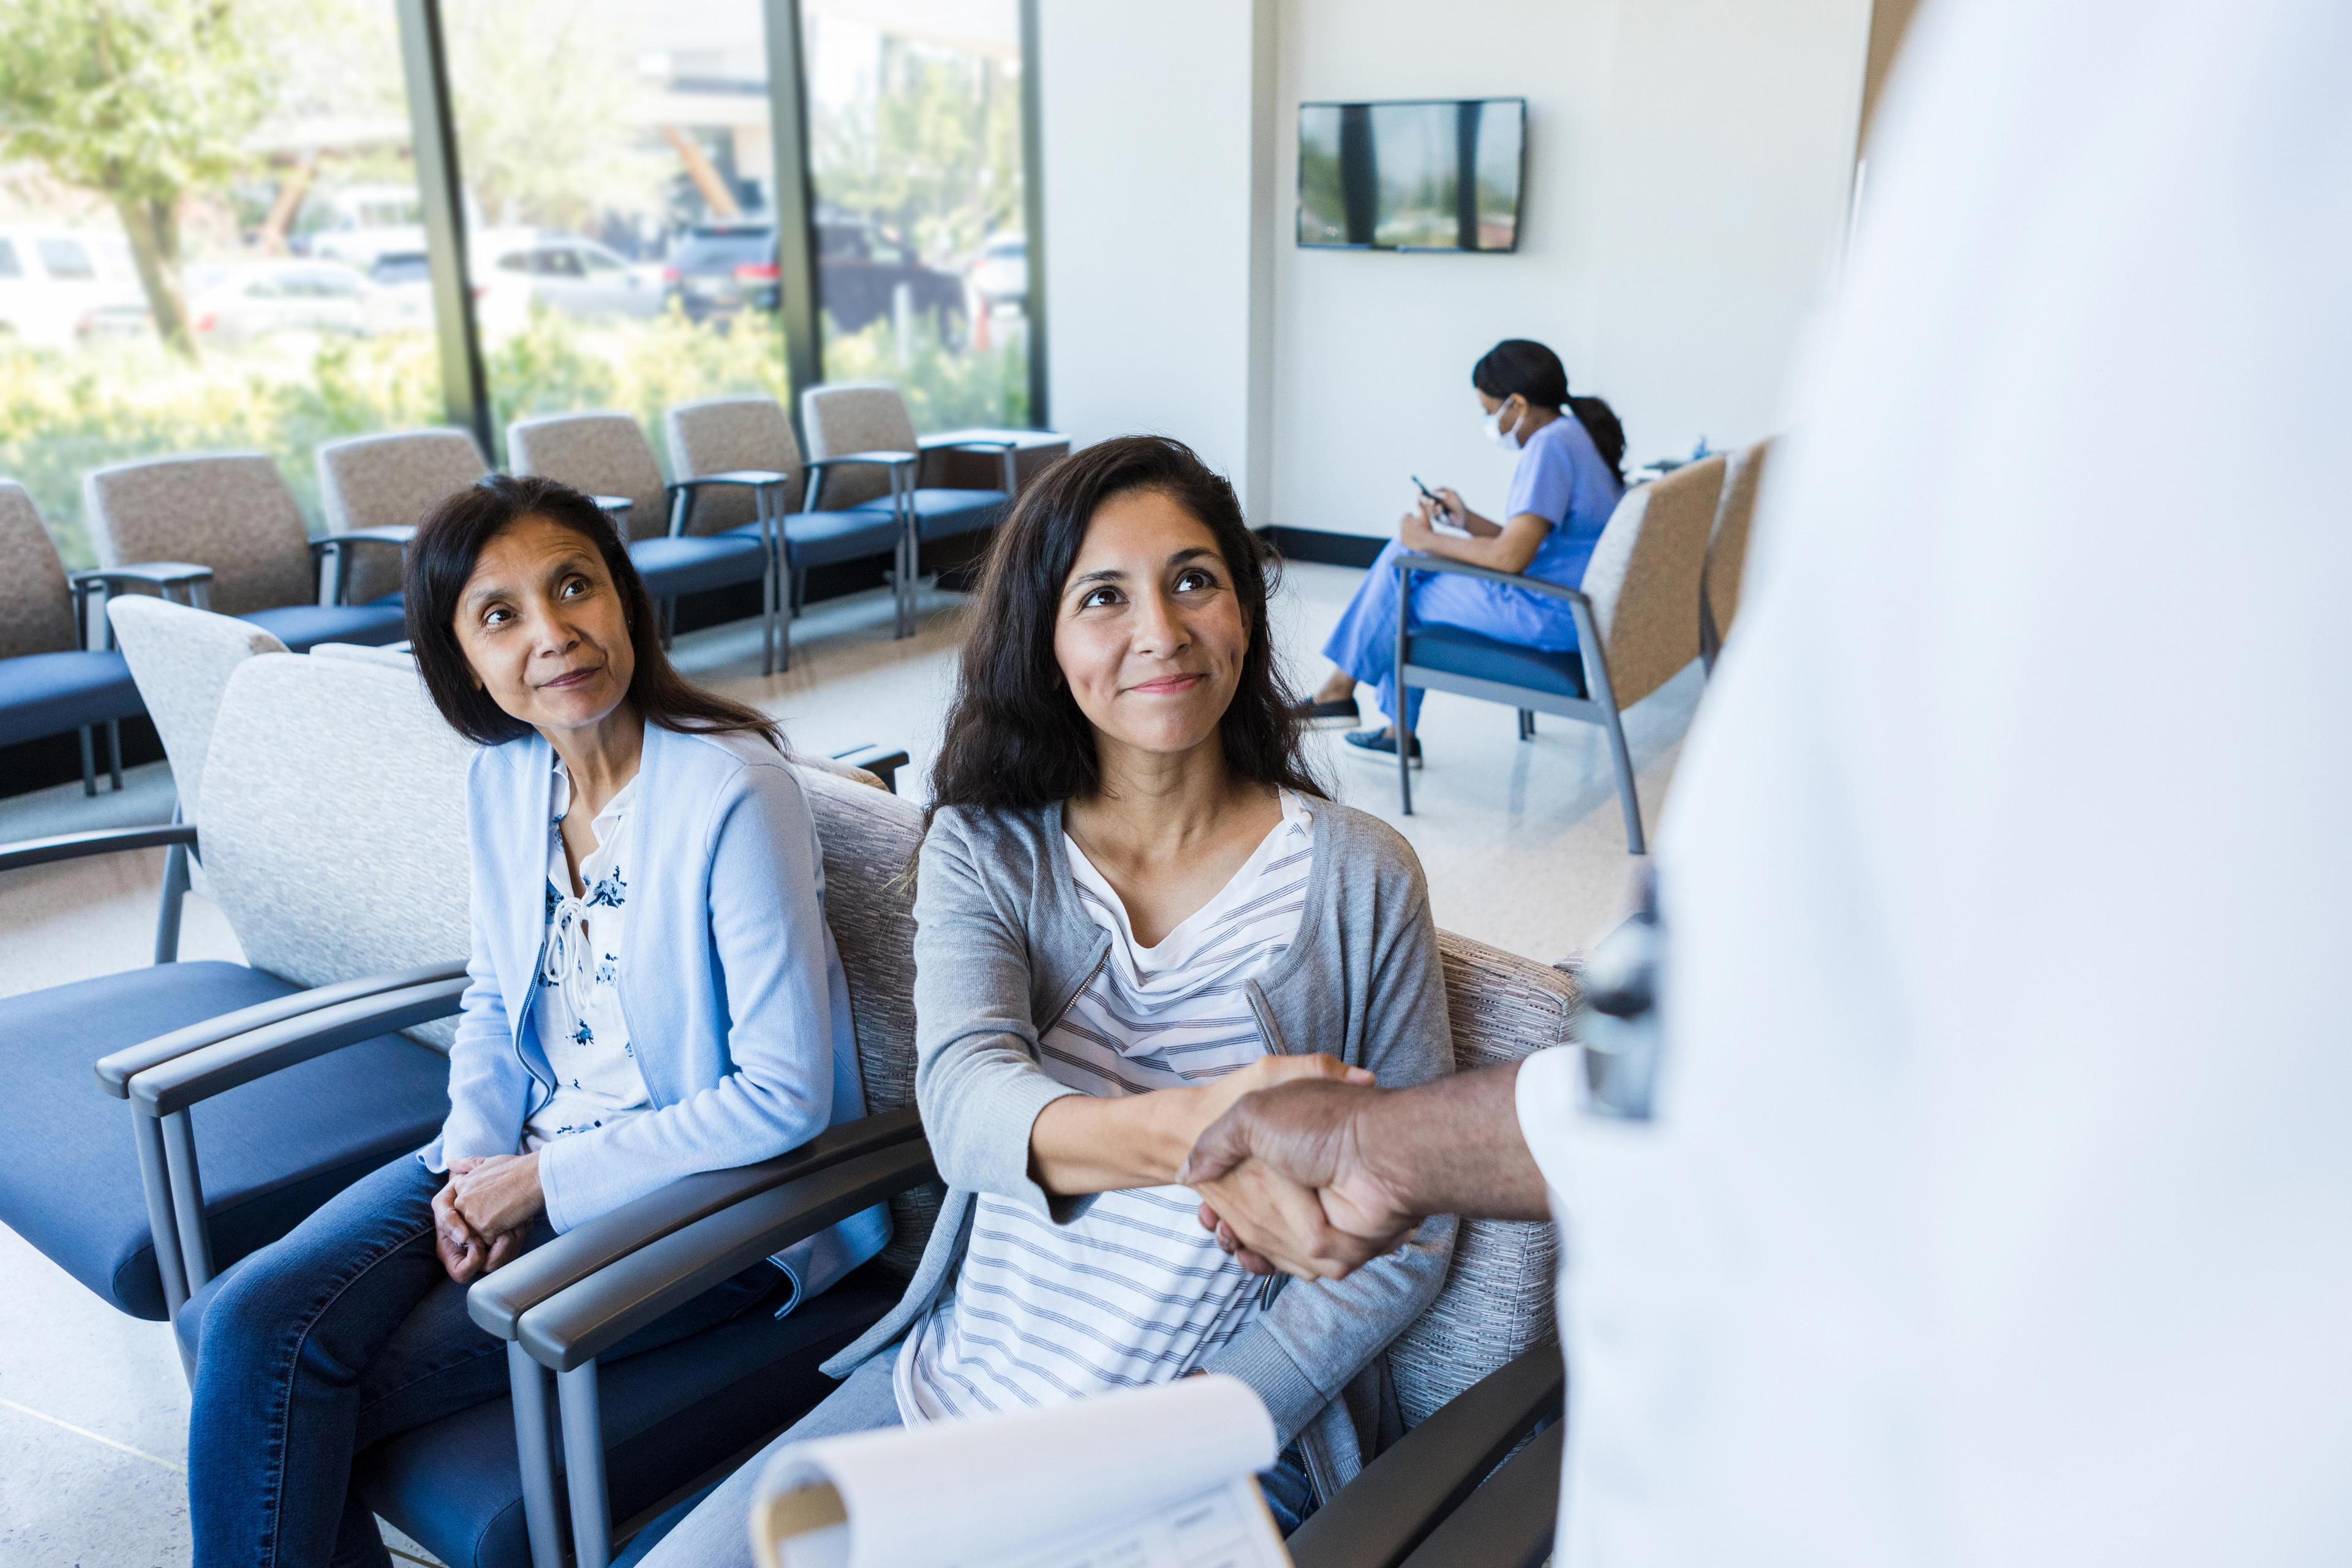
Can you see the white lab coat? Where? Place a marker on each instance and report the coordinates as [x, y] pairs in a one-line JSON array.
[[1999, 1206]]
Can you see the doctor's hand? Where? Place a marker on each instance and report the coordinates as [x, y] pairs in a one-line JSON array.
[[1414, 529], [1254, 1164]]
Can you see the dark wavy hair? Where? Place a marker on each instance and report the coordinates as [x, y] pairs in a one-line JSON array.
[[1525, 368], [1015, 738], [441, 561]]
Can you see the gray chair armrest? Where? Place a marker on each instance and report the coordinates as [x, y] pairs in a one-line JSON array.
[[162, 573], [103, 841], [952, 442], [497, 1301], [1408, 1494], [754, 478], [575, 1325], [619, 506], [1406, 563], [1510, 1523], [900, 464], [394, 534], [882, 762], [183, 1080], [116, 1071]]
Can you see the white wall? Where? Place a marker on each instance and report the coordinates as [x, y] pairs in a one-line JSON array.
[[1688, 169]]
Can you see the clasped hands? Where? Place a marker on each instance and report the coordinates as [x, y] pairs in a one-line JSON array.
[[1284, 1178], [482, 1214]]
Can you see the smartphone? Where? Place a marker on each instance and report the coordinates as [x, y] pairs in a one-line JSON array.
[[1432, 494]]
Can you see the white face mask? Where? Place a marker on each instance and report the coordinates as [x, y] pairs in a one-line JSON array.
[[1497, 433]]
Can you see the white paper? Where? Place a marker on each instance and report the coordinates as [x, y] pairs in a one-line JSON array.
[[1158, 1478]]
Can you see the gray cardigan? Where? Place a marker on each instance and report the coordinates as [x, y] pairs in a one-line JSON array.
[[1003, 948]]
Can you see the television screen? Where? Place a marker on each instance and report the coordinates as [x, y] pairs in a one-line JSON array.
[[1423, 174]]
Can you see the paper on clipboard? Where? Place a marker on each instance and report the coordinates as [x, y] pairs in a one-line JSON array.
[[1161, 1478]]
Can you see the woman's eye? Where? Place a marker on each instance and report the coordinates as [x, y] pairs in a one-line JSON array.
[[1195, 581], [1097, 597], [498, 616], [574, 587]]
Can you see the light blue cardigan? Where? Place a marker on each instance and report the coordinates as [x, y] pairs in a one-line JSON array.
[[731, 982]]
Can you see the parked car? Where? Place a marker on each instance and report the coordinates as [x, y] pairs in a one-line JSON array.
[[514, 269], [360, 224], [724, 268], [52, 279], [1000, 276], [400, 292], [242, 303]]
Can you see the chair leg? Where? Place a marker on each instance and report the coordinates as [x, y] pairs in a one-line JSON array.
[[799, 589], [167, 909], [767, 622], [1404, 748], [89, 764], [535, 1451], [1526, 724], [1636, 844], [584, 1467], [114, 750]]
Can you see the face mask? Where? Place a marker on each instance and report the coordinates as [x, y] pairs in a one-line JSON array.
[[1497, 433]]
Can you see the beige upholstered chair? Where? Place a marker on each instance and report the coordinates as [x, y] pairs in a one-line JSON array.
[[388, 484], [232, 512], [181, 659], [1636, 625], [1727, 550]]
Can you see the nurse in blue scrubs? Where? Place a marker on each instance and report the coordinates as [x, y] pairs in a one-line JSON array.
[[1567, 483]]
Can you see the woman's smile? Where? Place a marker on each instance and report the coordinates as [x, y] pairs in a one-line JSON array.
[[1167, 685], [571, 677]]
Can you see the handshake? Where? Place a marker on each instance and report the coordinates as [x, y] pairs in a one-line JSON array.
[[1320, 1173]]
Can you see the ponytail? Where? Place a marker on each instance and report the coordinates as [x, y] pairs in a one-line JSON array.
[[1522, 368]]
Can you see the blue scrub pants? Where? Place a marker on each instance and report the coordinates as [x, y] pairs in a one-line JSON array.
[[1364, 642]]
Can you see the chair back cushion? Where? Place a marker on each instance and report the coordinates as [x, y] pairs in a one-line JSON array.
[[723, 435], [870, 836], [181, 659], [35, 609], [227, 510], [334, 824], [1726, 551], [1644, 574], [602, 454], [859, 417], [1497, 1300], [390, 481]]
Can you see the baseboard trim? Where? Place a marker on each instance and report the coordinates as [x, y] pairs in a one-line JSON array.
[[1323, 547]]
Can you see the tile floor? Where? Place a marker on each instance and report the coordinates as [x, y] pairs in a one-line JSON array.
[[1522, 842]]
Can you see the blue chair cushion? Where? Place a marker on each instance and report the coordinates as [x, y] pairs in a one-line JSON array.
[[697, 562], [1459, 651], [942, 515], [671, 1417], [302, 627], [822, 538], [270, 1151], [49, 693]]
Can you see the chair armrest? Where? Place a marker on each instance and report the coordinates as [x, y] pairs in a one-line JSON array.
[[882, 762], [393, 534], [199, 1075], [498, 1301], [754, 478], [162, 573], [880, 459], [617, 505], [952, 442], [1411, 562], [116, 1071], [1408, 1492], [578, 1323], [102, 841], [1510, 1523]]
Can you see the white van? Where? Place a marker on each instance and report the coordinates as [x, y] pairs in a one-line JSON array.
[[53, 278]]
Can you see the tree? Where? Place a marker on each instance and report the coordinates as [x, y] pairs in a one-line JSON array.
[[142, 100]]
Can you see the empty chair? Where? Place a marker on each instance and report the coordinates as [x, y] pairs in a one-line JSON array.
[[874, 419], [1636, 628], [742, 449], [1727, 550], [232, 512], [607, 456], [51, 680], [383, 486]]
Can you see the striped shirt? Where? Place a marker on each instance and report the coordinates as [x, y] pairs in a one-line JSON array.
[[1133, 1292]]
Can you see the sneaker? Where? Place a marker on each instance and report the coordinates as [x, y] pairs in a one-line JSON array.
[[1379, 744], [1338, 711]]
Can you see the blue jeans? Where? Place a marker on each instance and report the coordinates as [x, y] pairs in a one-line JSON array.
[[339, 1334], [1364, 642], [712, 1528]]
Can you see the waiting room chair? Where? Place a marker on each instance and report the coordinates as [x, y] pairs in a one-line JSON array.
[[607, 456], [744, 449], [332, 837], [232, 512], [1636, 628], [383, 486], [873, 418], [51, 678], [1726, 549]]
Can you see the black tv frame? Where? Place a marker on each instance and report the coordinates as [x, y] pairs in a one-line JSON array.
[[1298, 200]]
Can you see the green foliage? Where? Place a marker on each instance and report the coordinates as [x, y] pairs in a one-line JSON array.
[[946, 388], [936, 155]]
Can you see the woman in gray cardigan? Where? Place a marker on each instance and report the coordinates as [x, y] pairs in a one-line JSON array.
[[1134, 906]]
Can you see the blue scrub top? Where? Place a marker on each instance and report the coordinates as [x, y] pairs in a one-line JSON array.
[[1563, 478]]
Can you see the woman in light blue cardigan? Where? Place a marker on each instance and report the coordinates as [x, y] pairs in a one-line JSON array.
[[653, 992]]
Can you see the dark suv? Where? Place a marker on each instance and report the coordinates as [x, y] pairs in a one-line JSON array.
[[723, 268]]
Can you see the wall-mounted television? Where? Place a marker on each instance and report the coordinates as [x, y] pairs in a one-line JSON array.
[[1412, 174]]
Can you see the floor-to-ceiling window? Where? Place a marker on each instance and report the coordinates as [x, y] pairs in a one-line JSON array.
[[209, 238], [915, 153], [620, 201]]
